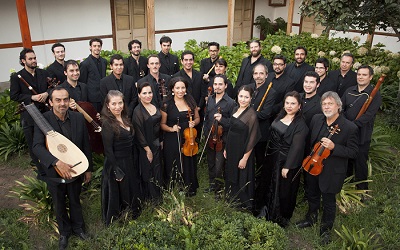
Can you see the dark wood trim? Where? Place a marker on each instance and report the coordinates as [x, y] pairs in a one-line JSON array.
[[51, 41], [296, 24], [191, 29], [114, 32], [24, 24], [379, 33]]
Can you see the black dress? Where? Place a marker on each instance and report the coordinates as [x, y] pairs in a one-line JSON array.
[[243, 135], [173, 166], [119, 158], [147, 133], [285, 150]]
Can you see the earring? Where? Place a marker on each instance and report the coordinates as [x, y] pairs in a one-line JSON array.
[[173, 93], [185, 93]]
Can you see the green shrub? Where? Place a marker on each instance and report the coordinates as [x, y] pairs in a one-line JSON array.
[[37, 202], [14, 234], [7, 108], [357, 240], [12, 139]]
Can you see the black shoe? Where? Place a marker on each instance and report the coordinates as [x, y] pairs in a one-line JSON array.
[[83, 236], [63, 242], [304, 223], [283, 222], [262, 213], [325, 238]]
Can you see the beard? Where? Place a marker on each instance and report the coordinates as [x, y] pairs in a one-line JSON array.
[[255, 53]]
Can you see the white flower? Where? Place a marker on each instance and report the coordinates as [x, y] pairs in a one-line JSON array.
[[40, 66], [388, 51], [362, 51], [356, 65], [398, 74], [314, 35], [321, 54], [356, 39], [292, 34], [385, 69], [394, 55], [335, 60], [332, 53], [276, 49], [346, 51], [377, 70]]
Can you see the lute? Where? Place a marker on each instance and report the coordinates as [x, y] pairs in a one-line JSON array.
[[58, 145]]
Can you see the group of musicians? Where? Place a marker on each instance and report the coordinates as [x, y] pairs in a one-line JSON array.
[[152, 116]]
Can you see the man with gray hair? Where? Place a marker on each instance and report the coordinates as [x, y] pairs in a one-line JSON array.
[[343, 146]]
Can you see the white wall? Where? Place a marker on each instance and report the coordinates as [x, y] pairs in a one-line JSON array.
[[54, 19], [178, 14]]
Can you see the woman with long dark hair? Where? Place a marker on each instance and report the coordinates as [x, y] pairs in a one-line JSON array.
[[243, 135], [174, 121], [284, 156], [146, 121], [120, 184]]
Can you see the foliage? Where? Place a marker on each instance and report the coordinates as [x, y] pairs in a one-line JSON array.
[[267, 27], [12, 139], [343, 15], [7, 108], [350, 198], [13, 233], [357, 240], [380, 154], [38, 202]]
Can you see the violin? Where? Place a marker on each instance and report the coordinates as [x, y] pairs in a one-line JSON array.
[[190, 147], [216, 130], [313, 163], [162, 88]]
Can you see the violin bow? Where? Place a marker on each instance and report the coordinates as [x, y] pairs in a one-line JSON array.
[[205, 145], [179, 145]]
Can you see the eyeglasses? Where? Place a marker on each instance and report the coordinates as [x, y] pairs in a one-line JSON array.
[[278, 64]]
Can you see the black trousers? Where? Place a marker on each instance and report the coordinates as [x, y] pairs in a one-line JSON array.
[[72, 222], [314, 202], [216, 166], [28, 128], [359, 166]]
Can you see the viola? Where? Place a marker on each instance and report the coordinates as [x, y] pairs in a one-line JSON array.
[[313, 163], [216, 142], [190, 147]]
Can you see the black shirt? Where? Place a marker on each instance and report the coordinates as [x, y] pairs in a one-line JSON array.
[[65, 125], [78, 93], [327, 84], [97, 62], [169, 64], [56, 70], [296, 72]]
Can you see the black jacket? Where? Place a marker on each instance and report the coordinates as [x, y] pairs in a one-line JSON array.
[[133, 69], [91, 76]]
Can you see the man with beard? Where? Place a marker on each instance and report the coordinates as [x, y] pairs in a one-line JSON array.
[[158, 81], [117, 80], [66, 189], [56, 69], [353, 100], [218, 112], [92, 70], [246, 69], [264, 111], [343, 146], [196, 87], [281, 83], [207, 63], [169, 63], [135, 65], [326, 84], [297, 69], [19, 92], [344, 77]]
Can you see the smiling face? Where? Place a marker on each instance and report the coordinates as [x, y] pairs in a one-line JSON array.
[[259, 74], [72, 72], [213, 51], [320, 69], [146, 95], [179, 89], [187, 61], [329, 107], [244, 98], [59, 53], [60, 102], [255, 49], [363, 77], [291, 105], [135, 49], [116, 105], [95, 49], [310, 85]]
